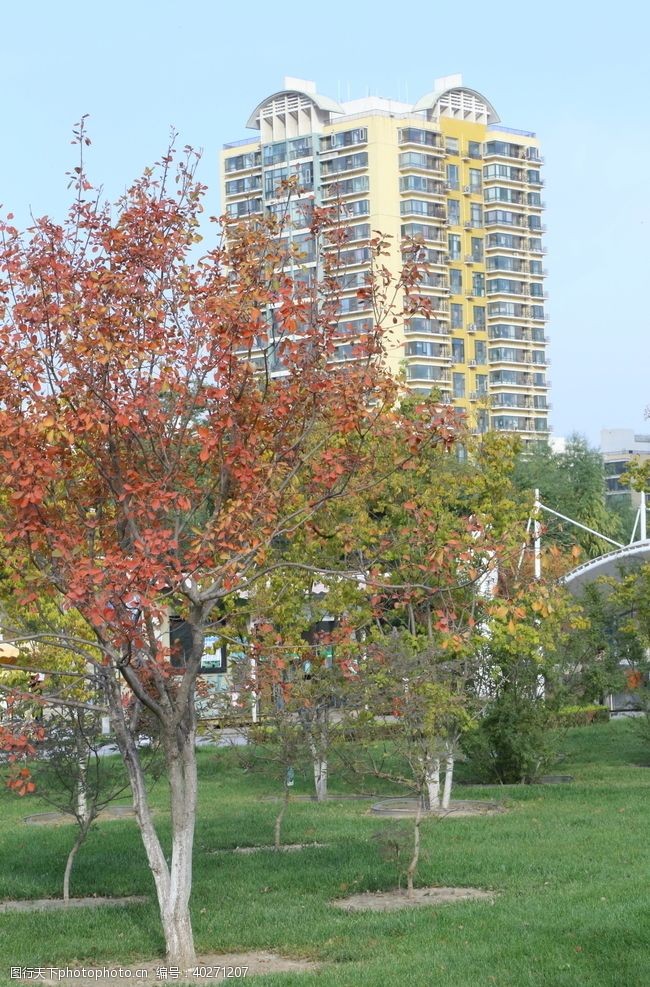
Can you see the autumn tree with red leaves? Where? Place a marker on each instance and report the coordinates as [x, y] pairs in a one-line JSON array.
[[165, 421]]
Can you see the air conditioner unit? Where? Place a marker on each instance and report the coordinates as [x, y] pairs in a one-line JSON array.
[[472, 327], [467, 189], [472, 363], [469, 259], [468, 226]]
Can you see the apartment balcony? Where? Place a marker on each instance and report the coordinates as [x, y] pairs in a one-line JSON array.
[[516, 221], [416, 137], [442, 356], [420, 326], [431, 374], [421, 161], [517, 244], [431, 210], [517, 176], [520, 403]]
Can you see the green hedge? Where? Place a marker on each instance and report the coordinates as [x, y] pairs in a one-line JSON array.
[[581, 716]]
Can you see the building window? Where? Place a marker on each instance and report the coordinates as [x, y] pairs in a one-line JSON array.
[[346, 138], [458, 349], [480, 351], [478, 315], [415, 159], [453, 212], [474, 149], [476, 214], [411, 135], [458, 385], [246, 207], [475, 179], [431, 233], [453, 241], [453, 181], [418, 371], [477, 249], [419, 183], [478, 284], [452, 145], [456, 281], [347, 162], [420, 207]]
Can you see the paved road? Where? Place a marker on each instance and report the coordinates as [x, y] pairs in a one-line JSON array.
[[224, 738]]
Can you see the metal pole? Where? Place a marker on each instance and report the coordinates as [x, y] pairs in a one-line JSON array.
[[642, 517], [537, 534]]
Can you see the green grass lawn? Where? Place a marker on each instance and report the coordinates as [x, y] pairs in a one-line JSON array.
[[568, 863]]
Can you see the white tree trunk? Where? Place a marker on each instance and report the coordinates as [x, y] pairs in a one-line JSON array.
[[175, 911], [320, 778], [173, 882], [316, 730], [280, 816], [413, 863], [432, 783], [449, 778]]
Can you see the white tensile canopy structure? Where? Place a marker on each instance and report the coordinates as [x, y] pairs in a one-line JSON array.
[[612, 564]]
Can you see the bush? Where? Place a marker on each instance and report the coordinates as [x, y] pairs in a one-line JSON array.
[[514, 741], [580, 716]]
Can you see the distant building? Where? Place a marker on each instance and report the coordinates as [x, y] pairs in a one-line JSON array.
[[445, 172], [620, 447]]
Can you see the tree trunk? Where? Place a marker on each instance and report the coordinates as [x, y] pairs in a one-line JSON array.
[[432, 784], [320, 778], [280, 815], [173, 882], [81, 836], [449, 778], [413, 864], [175, 911], [316, 730]]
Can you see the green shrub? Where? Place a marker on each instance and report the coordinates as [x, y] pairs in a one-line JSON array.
[[580, 716], [514, 741]]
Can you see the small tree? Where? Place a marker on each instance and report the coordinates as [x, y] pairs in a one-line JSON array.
[[164, 422], [74, 777]]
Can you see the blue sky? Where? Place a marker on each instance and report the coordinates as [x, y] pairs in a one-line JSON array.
[[576, 73]]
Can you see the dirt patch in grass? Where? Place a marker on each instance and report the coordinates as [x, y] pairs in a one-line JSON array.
[[59, 818], [283, 848], [328, 798], [141, 973], [388, 901], [403, 808], [53, 904]]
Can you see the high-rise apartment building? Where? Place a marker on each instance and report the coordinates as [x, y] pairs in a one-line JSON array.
[[445, 172]]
